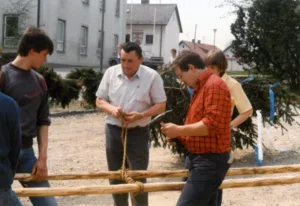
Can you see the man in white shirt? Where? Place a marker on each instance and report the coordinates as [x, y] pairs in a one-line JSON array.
[[136, 93]]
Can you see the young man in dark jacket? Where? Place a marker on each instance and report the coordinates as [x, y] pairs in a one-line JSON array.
[[20, 81], [10, 144]]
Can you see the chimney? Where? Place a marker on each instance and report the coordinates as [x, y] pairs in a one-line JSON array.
[[145, 1], [199, 41]]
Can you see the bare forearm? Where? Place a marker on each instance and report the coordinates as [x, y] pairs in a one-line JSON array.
[[155, 110], [43, 141], [241, 118], [104, 105], [196, 129]]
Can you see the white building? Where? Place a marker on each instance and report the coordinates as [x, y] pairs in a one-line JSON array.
[[233, 64], [81, 30], [156, 27]]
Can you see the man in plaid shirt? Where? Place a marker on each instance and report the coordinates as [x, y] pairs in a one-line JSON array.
[[206, 133]]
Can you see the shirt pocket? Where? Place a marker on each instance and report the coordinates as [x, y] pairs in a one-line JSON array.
[[142, 97], [115, 91]]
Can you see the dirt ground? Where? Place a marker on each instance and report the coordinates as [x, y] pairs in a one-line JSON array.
[[77, 144]]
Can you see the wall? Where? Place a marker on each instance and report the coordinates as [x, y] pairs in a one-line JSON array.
[[77, 14], [171, 36]]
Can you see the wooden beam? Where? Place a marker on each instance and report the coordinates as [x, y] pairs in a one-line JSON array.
[[162, 174], [150, 187]]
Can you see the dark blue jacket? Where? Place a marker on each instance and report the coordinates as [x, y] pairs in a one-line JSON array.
[[10, 140]]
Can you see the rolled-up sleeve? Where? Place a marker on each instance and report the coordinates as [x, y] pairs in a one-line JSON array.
[[241, 100], [157, 91], [43, 114], [217, 112], [102, 91]]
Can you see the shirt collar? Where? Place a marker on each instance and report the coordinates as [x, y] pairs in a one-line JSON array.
[[121, 73], [203, 78], [225, 77]]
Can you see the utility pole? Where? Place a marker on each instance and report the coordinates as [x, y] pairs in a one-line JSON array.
[[38, 13], [195, 37], [215, 30], [131, 21]]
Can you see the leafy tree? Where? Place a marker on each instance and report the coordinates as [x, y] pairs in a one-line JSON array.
[[267, 38]]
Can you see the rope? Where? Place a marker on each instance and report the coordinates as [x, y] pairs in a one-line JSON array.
[[124, 175]]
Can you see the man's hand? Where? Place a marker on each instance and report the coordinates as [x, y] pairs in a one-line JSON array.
[[40, 170], [170, 130], [133, 116], [117, 112]]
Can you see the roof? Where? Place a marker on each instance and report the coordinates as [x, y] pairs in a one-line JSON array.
[[201, 49], [144, 14], [228, 47]]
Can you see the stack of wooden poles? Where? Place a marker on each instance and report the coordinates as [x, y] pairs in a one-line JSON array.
[[157, 187]]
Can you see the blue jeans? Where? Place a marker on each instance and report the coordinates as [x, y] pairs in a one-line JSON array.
[[26, 162], [9, 198], [207, 172]]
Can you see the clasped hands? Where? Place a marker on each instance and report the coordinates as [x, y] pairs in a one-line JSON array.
[[128, 117]]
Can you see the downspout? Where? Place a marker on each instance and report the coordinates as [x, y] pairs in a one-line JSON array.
[[38, 13], [160, 49], [102, 37]]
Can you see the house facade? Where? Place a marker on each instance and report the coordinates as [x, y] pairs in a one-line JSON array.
[[80, 29], [233, 64], [198, 47], [155, 27]]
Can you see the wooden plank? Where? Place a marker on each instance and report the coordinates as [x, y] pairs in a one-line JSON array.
[[162, 173], [150, 187]]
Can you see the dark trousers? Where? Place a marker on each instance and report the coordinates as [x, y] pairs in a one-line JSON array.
[[207, 172], [137, 152]]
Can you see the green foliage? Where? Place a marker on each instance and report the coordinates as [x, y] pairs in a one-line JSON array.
[[6, 57], [91, 80], [178, 101], [61, 92], [267, 38]]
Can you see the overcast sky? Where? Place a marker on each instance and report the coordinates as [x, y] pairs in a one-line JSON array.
[[207, 17]]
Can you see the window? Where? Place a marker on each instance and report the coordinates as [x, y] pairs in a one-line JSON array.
[[118, 8], [116, 41], [61, 35], [84, 41], [127, 38], [102, 5], [85, 1], [149, 39], [100, 39], [11, 31]]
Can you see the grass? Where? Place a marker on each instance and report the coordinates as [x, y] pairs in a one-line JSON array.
[[237, 73]]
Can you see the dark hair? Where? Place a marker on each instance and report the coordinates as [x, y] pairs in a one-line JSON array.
[[36, 39], [131, 46], [173, 50], [187, 57], [216, 57]]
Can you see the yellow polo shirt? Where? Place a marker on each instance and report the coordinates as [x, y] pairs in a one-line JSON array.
[[238, 96]]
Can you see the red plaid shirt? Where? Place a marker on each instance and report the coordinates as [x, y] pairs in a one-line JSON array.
[[211, 104]]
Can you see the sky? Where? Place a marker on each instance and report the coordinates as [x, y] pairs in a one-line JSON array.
[[207, 15]]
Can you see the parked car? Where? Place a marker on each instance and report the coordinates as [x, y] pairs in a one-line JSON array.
[[149, 60]]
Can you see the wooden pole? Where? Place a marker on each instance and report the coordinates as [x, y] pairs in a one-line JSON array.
[[150, 187], [162, 174]]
